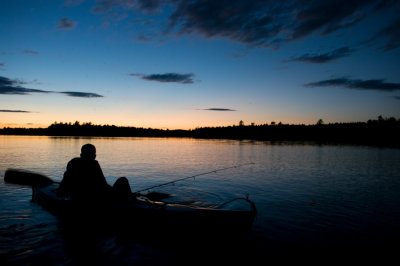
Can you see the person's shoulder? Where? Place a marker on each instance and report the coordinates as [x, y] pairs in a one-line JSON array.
[[95, 162], [75, 161]]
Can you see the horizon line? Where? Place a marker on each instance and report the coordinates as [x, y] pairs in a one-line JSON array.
[[241, 123]]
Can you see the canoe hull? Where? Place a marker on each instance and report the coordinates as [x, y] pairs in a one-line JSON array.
[[150, 216]]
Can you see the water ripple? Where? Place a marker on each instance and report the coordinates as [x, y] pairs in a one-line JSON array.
[[306, 195]]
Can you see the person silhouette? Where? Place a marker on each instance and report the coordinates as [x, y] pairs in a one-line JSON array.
[[84, 180]]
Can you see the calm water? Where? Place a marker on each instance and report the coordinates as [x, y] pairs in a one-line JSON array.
[[329, 200]]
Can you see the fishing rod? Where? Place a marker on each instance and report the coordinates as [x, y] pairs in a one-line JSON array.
[[193, 176]]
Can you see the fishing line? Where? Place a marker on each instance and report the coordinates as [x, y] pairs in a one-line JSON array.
[[193, 176]]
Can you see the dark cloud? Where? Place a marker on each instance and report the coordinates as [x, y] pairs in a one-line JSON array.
[[66, 24], [7, 82], [262, 23], [322, 58], [144, 38], [13, 87], [14, 111], [150, 5], [369, 84], [104, 5], [249, 22], [19, 90], [218, 109], [391, 34], [81, 94], [31, 52], [328, 16], [167, 77], [266, 22], [9, 86], [236, 55]]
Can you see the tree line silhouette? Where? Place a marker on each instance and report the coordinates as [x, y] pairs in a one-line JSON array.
[[382, 131]]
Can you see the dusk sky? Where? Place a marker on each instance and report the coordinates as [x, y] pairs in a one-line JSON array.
[[182, 64]]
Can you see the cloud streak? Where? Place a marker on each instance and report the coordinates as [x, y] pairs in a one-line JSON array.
[[14, 111], [218, 109], [369, 84], [316, 58], [19, 90], [167, 77], [66, 24], [13, 87], [81, 94], [31, 52], [9, 86]]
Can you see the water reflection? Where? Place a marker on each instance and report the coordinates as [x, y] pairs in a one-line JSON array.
[[312, 199]]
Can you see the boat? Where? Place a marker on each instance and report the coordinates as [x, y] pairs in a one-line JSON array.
[[141, 213], [155, 216]]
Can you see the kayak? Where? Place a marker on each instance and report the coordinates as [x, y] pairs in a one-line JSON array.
[[141, 213], [231, 218]]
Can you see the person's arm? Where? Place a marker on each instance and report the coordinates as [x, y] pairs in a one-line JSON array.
[[99, 173], [64, 189], [101, 178]]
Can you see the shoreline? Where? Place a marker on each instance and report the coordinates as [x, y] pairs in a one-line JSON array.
[[381, 132], [268, 141]]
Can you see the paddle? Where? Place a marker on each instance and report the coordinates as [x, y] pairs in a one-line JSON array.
[[27, 178], [23, 177]]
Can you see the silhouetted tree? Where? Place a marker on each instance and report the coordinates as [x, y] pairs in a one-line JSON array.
[[381, 131]]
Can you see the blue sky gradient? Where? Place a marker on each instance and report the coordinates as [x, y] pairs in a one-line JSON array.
[[186, 64]]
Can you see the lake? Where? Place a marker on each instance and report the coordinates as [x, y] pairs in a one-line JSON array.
[[314, 201]]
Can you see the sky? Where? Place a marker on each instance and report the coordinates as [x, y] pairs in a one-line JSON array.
[[183, 64]]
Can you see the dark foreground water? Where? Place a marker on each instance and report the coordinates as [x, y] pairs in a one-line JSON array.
[[316, 204]]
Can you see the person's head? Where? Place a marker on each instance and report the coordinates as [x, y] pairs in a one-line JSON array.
[[88, 151]]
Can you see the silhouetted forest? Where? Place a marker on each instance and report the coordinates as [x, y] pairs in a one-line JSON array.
[[382, 132]]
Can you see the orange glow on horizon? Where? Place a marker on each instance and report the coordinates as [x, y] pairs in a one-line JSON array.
[[172, 119]]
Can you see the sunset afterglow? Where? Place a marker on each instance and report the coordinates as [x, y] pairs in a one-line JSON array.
[[187, 64]]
